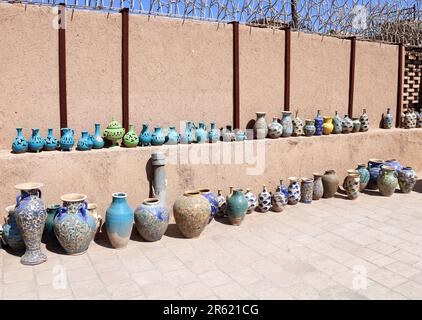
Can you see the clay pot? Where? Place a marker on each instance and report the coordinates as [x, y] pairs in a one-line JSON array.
[[278, 200], [318, 189], [11, 235], [330, 183], [264, 200], [328, 125], [374, 167], [297, 126], [287, 124], [252, 200], [351, 184], [364, 121], [151, 219], [387, 180], [407, 179], [387, 120], [275, 129], [212, 198], [237, 207], [221, 205], [119, 221], [294, 190], [306, 190], [363, 176], [260, 127]]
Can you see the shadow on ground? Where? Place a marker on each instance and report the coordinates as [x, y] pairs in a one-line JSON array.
[[174, 232]]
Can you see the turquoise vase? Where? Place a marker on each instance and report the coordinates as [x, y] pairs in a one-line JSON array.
[[201, 133], [240, 135], [97, 141], [287, 124], [157, 137], [151, 219], [363, 175], [83, 143], [52, 212], [237, 206], [36, 144], [19, 145], [67, 141], [172, 137], [119, 221], [11, 235], [213, 134], [51, 143], [145, 136]]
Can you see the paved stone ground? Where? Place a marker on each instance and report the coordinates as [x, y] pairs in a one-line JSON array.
[[317, 251]]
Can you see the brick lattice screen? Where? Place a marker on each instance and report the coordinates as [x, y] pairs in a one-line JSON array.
[[412, 95]]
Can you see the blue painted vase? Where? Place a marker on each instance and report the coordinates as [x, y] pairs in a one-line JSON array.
[[119, 221], [52, 211], [252, 200], [264, 200], [338, 124], [51, 143], [394, 163], [151, 219], [201, 133], [212, 199], [83, 143], [172, 137], [90, 141], [319, 121], [364, 176], [237, 205], [67, 141], [284, 189], [309, 129], [145, 136], [19, 145], [11, 234], [36, 144], [407, 179], [157, 137], [374, 167], [97, 141], [387, 120], [287, 124], [294, 190], [30, 216], [213, 134]]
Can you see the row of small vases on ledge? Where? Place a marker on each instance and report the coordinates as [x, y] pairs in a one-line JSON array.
[[411, 119]]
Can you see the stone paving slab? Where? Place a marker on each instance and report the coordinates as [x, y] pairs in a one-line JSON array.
[[369, 248]]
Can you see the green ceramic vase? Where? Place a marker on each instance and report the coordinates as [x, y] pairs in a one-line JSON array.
[[237, 207], [131, 139], [387, 180]]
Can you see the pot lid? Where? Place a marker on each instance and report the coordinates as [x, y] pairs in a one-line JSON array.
[[114, 124]]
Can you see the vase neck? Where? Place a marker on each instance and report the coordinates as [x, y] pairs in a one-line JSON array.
[[97, 129], [19, 130], [119, 198], [50, 132], [35, 132]]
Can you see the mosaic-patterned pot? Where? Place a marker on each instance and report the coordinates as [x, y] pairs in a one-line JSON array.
[[364, 121], [306, 190], [114, 132], [347, 124], [19, 145], [284, 189], [52, 211], [11, 234], [237, 207], [74, 226], [36, 143], [151, 219], [213, 134], [387, 120], [318, 188], [158, 138], [330, 183], [278, 200], [260, 127], [275, 129], [83, 142], [287, 124], [327, 126], [97, 141], [351, 184], [264, 200], [297, 126], [192, 213], [50, 142], [67, 141], [221, 204], [374, 167], [309, 128], [252, 201], [131, 139], [201, 133], [338, 124], [319, 121], [119, 221], [419, 120], [363, 176], [172, 137], [394, 163], [294, 190], [212, 199], [356, 125], [407, 179], [30, 216], [387, 180], [145, 136]]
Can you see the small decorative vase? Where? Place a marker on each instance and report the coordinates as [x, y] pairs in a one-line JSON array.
[[356, 125], [228, 135], [364, 121], [363, 176], [387, 180], [237, 207], [193, 128], [36, 144], [188, 136], [145, 136], [284, 189], [278, 200], [92, 209], [406, 119], [297, 126], [338, 124], [275, 129], [407, 179], [152, 219], [306, 190], [264, 200], [30, 216], [287, 124], [318, 123], [294, 190], [419, 119], [90, 141], [119, 221], [328, 126], [309, 127], [74, 226], [157, 137], [387, 120], [51, 143], [83, 143], [172, 138], [374, 167], [114, 132], [394, 163], [221, 205], [252, 201], [19, 145], [213, 134], [131, 139], [192, 213], [347, 124], [240, 135], [330, 183], [67, 141], [260, 127], [413, 118], [212, 199], [11, 235], [52, 211], [351, 184], [201, 133], [97, 141], [318, 188]]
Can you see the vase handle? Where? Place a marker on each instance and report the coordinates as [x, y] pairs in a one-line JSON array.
[[39, 193], [18, 200], [83, 210], [60, 212]]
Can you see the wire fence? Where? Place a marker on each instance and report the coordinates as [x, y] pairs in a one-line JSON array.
[[395, 21]]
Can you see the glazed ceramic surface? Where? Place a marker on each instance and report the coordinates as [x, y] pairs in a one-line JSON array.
[[363, 176], [260, 126], [83, 143], [50, 142], [11, 233], [351, 184], [67, 141], [237, 207], [306, 190], [221, 204], [30, 216], [374, 167], [330, 183], [131, 139], [364, 121], [287, 123], [201, 133], [158, 137], [145, 136], [114, 132], [407, 179], [36, 143], [294, 190], [419, 119], [347, 124], [356, 125], [318, 123], [387, 180], [19, 145], [151, 219], [92, 209], [252, 201], [264, 200], [240, 135], [395, 164], [119, 221], [387, 120], [97, 141], [212, 198], [188, 136], [297, 126], [338, 124], [52, 211], [213, 134], [275, 129], [318, 188], [278, 200], [172, 137], [227, 134], [284, 189], [309, 127], [328, 126]]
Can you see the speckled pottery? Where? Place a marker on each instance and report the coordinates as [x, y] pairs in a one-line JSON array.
[[30, 215], [419, 119], [119, 221], [351, 184], [97, 140], [363, 176], [227, 134], [36, 143], [294, 191], [374, 167], [284, 189], [387, 120], [145, 136], [278, 200], [19, 145], [240, 135], [74, 226], [275, 129], [407, 179], [394, 163], [221, 205], [297, 126], [327, 126], [309, 127], [287, 123], [356, 125], [131, 139], [347, 124], [172, 138], [114, 132], [201, 133], [237, 207], [158, 137], [330, 183], [152, 219], [364, 121], [92, 209], [11, 235], [252, 201], [318, 123], [83, 142], [50, 142], [260, 126], [52, 211], [212, 198], [213, 134], [264, 200], [387, 180], [192, 213], [67, 141], [338, 124], [409, 119], [306, 190], [318, 188]]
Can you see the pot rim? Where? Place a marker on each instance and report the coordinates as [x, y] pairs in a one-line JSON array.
[[391, 160], [389, 168], [260, 113], [204, 190], [10, 208], [53, 206], [92, 206], [191, 193], [375, 160], [307, 180], [361, 164], [119, 195], [241, 190], [294, 179], [73, 197], [317, 174], [330, 171], [407, 168], [352, 171], [29, 186], [151, 201]]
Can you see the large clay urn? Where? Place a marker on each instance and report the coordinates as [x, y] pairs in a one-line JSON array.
[[192, 213], [330, 183], [387, 180]]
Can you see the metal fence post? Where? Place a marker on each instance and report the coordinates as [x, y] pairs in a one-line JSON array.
[[125, 68], [62, 65], [352, 75], [236, 79], [400, 85], [287, 63]]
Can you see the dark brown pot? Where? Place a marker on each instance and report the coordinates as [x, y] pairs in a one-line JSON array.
[[330, 182]]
